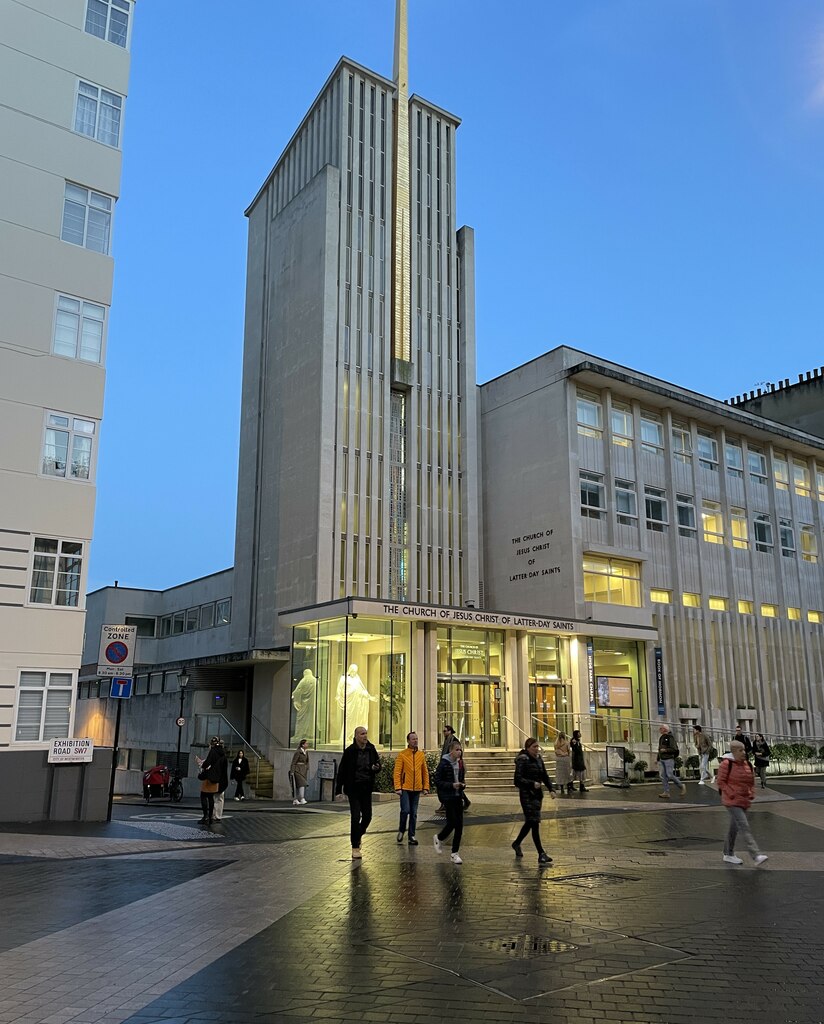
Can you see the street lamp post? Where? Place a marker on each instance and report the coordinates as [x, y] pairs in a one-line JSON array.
[[183, 682]]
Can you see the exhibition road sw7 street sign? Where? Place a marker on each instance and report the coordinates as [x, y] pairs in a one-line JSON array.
[[116, 657]]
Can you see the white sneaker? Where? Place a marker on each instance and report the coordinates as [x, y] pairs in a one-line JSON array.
[[437, 844], [296, 803], [356, 853], [301, 801], [729, 859], [456, 858], [761, 858], [700, 782], [237, 798]]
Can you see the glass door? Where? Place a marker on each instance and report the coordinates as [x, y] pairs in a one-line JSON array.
[[550, 711], [473, 709]]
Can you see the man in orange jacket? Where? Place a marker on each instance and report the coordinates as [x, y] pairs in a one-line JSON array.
[[411, 778]]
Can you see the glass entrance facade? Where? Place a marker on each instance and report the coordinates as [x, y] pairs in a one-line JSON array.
[[619, 685], [550, 687], [470, 697]]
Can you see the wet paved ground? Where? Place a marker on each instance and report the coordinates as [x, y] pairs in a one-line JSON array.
[[265, 918]]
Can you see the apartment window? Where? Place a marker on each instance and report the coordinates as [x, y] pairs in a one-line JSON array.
[[809, 544], [621, 423], [713, 522], [660, 596], [78, 329], [681, 442], [192, 618], [97, 113], [685, 510], [794, 614], [67, 446], [769, 611], [707, 451], [223, 612], [44, 705], [626, 502], [746, 608], [786, 536], [593, 502], [718, 604], [801, 480], [763, 533], [109, 19], [689, 600], [612, 581], [757, 464], [146, 625], [781, 473], [815, 617], [734, 457], [55, 574], [652, 433], [87, 218], [655, 502], [590, 415], [739, 529], [207, 616]]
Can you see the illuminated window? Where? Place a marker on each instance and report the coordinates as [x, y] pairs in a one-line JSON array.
[[685, 507], [819, 483], [781, 473], [757, 463], [787, 537], [745, 608], [626, 502], [612, 581], [794, 614], [809, 544], [734, 457], [621, 423], [738, 528], [660, 596], [590, 415], [814, 617], [593, 501], [655, 501], [763, 531], [690, 600], [801, 479], [769, 611], [718, 604], [681, 442], [652, 433], [707, 451], [713, 522]]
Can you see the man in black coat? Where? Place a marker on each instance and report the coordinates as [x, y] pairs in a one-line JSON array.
[[356, 778]]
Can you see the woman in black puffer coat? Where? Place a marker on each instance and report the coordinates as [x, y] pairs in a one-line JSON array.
[[530, 778]]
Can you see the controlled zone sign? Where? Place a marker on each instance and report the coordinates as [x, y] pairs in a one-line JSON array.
[[116, 657], [71, 751]]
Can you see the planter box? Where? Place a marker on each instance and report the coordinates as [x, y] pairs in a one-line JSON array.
[[796, 716], [689, 714], [745, 714]]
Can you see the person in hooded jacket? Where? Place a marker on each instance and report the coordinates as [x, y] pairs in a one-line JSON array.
[[736, 784], [530, 778], [212, 772]]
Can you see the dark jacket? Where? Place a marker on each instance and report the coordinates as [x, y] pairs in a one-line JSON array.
[[214, 767], [762, 752], [576, 750], [345, 782], [667, 747], [747, 743], [240, 768], [528, 771], [445, 778]]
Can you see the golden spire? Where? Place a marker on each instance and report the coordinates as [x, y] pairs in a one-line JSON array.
[[401, 239]]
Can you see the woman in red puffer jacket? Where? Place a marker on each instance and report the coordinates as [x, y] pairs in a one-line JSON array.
[[736, 784]]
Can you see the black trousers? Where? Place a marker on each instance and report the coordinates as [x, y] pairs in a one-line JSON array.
[[535, 828], [454, 822], [207, 802], [238, 787], [360, 811]]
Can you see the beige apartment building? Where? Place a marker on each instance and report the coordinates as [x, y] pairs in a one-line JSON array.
[[64, 68]]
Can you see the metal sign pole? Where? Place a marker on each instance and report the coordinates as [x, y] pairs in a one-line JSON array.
[[114, 759]]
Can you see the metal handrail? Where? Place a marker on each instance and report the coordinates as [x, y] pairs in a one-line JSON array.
[[548, 725], [275, 741], [232, 731]]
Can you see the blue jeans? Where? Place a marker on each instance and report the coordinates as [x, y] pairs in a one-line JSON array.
[[666, 769], [705, 767], [409, 809]]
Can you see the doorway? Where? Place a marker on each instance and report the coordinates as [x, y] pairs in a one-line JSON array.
[[473, 708]]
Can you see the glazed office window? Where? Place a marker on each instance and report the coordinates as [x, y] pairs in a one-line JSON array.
[[207, 615], [192, 620], [612, 581], [223, 612], [177, 623], [757, 465], [652, 433], [109, 19], [690, 600], [681, 442], [87, 218], [712, 522], [593, 500], [660, 596], [141, 685], [97, 113], [657, 512], [786, 536], [781, 473], [590, 414], [815, 617], [165, 626], [739, 529], [626, 502], [801, 480], [734, 458], [56, 571], [44, 705], [621, 424], [769, 611], [67, 447], [746, 608], [794, 614], [819, 483], [155, 682], [78, 329], [707, 451], [146, 624], [685, 510], [809, 544], [718, 604], [763, 533]]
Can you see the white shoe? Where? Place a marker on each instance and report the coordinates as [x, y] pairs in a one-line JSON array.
[[437, 844], [700, 782], [237, 798], [456, 858], [301, 801], [729, 859], [760, 859], [356, 853], [296, 803]]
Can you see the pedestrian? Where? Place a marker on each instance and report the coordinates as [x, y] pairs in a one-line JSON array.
[[449, 738], [563, 764], [667, 753], [300, 772], [356, 778], [223, 784], [736, 783], [703, 743], [209, 776], [741, 737], [530, 778], [761, 753], [579, 768], [240, 769], [411, 778], [450, 784]]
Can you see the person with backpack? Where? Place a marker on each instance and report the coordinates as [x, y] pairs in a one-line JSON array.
[[667, 753], [736, 783], [703, 742], [530, 778]]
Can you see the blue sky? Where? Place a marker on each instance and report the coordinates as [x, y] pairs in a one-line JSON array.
[[645, 178]]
